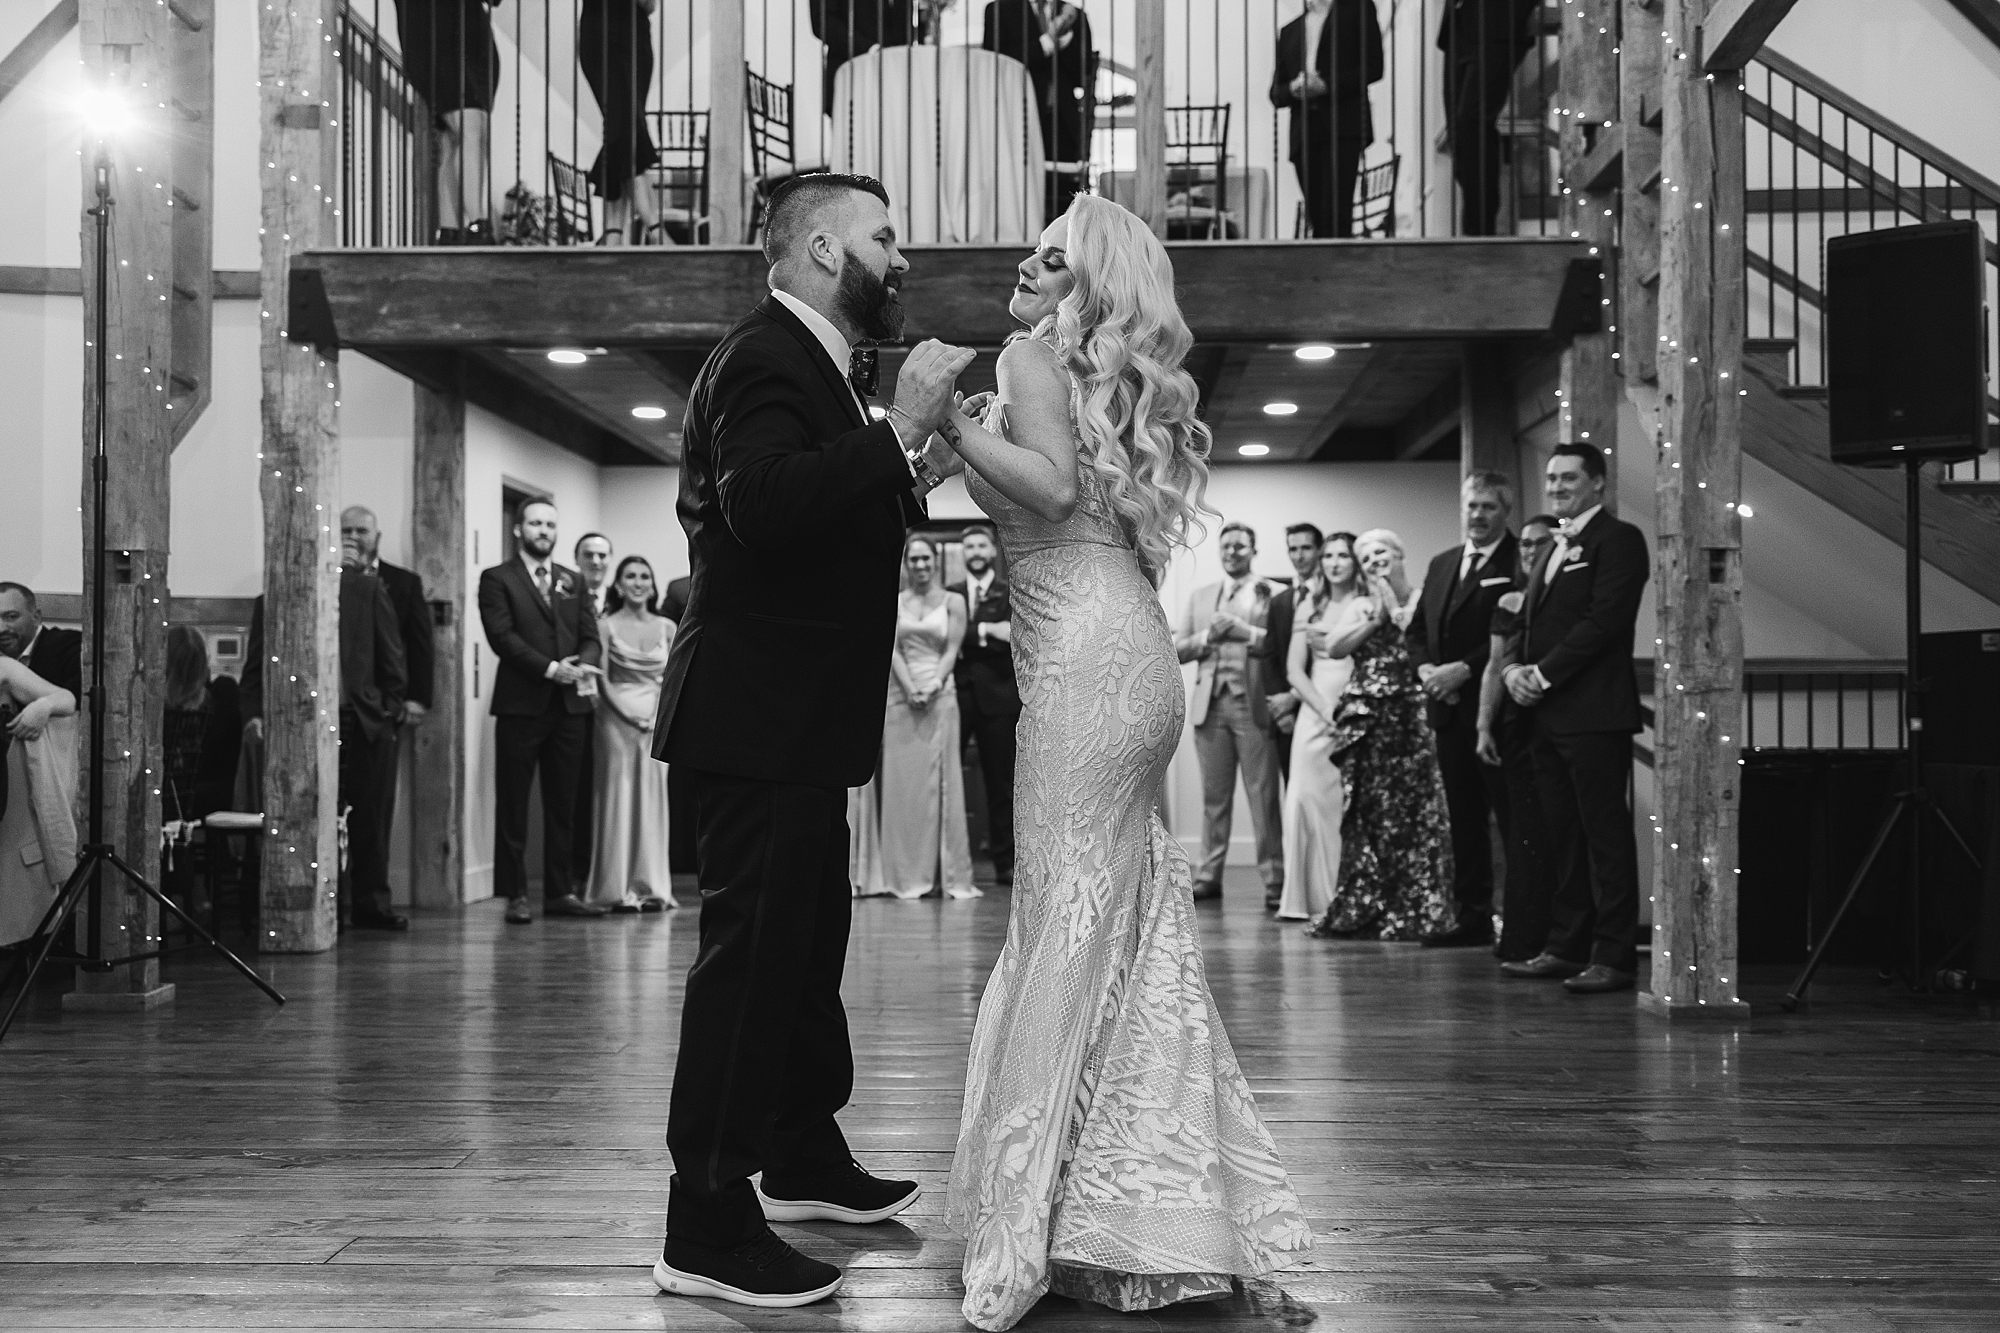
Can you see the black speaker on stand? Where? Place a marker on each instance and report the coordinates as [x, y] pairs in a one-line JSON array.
[[1906, 384]]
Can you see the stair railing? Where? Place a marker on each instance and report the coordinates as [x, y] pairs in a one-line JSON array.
[[1818, 164]]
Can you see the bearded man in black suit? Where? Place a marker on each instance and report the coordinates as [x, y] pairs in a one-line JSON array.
[[989, 704], [1304, 544], [1450, 638], [543, 631], [1572, 671], [1052, 38], [779, 448]]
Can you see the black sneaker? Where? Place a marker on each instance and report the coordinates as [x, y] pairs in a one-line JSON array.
[[765, 1272], [849, 1194]]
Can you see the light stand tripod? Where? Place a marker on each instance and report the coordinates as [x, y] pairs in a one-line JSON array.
[[1915, 801], [97, 853]]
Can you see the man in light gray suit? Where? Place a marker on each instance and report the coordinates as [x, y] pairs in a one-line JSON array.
[[1224, 631]]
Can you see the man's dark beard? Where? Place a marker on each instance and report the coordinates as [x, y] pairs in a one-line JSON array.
[[538, 548], [866, 302], [977, 564]]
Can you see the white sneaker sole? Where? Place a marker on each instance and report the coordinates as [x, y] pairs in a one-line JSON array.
[[674, 1281], [812, 1210]]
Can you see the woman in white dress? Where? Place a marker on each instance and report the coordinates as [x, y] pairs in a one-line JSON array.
[[628, 858], [908, 837], [37, 829], [1109, 1148], [1314, 795]]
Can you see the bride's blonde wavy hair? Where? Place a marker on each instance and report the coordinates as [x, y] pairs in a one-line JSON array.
[[1120, 333]]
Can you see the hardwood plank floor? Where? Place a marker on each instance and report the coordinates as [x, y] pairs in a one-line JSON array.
[[462, 1128]]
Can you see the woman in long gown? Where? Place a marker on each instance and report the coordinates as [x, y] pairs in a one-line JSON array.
[[908, 836], [1109, 1147], [1315, 794], [628, 856], [37, 831], [1395, 856]]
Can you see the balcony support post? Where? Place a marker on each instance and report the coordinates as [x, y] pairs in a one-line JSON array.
[[1149, 114], [438, 551], [1587, 110]]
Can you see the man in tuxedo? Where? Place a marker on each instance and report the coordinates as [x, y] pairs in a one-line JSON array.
[[989, 705], [779, 450], [1449, 641], [1573, 672], [848, 28], [1332, 124], [1483, 42], [1225, 630], [592, 552], [1304, 544], [543, 633], [1052, 38], [54, 654]]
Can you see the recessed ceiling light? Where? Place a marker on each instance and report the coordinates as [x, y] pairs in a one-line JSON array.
[[1280, 409], [1313, 352], [649, 413], [1253, 450], [568, 356]]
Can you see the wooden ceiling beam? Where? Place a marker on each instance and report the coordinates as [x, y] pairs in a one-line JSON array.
[[1735, 30]]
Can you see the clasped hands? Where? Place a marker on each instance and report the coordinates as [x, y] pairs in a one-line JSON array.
[[1524, 685], [1443, 683], [572, 671], [33, 719], [927, 397]]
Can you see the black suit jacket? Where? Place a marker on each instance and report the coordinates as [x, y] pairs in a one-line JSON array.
[[57, 657], [1578, 630], [848, 28], [986, 671], [1454, 622], [526, 634], [413, 621], [1471, 28], [1278, 640], [372, 671], [775, 453], [674, 601], [1065, 83], [1349, 59]]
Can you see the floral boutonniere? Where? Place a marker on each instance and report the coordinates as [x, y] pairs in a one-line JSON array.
[[563, 587], [1511, 602], [1575, 554]]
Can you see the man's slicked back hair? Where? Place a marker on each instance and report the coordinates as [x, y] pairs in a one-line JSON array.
[[797, 203]]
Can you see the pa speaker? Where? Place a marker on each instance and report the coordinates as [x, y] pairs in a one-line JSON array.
[[1905, 335]]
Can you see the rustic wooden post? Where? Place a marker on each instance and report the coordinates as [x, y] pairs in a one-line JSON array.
[[1698, 564], [1587, 99], [300, 481], [437, 796], [1486, 419], [1638, 296], [191, 112], [729, 120], [1149, 113], [126, 47]]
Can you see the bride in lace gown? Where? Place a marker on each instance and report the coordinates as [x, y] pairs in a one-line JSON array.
[[1109, 1148]]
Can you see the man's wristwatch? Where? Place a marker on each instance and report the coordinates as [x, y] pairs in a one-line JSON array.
[[920, 466]]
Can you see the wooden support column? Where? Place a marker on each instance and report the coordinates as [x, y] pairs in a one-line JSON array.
[[1486, 418], [1149, 113], [1638, 308], [437, 795], [191, 116], [1698, 564], [126, 47], [729, 119], [300, 483], [1587, 104]]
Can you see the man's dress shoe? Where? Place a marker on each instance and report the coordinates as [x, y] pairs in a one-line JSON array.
[[849, 1194], [1543, 966], [518, 912], [1476, 933], [571, 905], [1206, 893], [1598, 979], [764, 1272]]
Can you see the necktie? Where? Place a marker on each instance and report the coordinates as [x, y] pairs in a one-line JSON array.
[[542, 582], [863, 372]]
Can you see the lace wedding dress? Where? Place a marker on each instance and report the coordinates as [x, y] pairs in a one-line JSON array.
[[1109, 1148]]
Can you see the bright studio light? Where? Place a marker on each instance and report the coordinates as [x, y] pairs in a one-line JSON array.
[[104, 111], [568, 356], [1314, 352], [1280, 409], [1253, 450], [649, 413]]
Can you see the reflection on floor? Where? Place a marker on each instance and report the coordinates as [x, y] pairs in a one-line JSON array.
[[462, 1129]]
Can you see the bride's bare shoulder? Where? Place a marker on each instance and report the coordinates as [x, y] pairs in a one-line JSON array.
[[1031, 365]]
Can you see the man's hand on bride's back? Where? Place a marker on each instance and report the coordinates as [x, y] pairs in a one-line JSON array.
[[928, 379]]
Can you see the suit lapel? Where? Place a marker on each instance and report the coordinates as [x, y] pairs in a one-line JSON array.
[[527, 585], [834, 376]]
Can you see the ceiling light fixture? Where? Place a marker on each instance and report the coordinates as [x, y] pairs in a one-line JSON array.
[[1253, 450], [1280, 409], [1314, 352], [568, 356], [649, 413]]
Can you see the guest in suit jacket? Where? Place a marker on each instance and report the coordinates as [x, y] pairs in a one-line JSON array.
[[1573, 671], [1052, 38], [989, 704], [1449, 639], [56, 655], [1332, 124], [1225, 630], [373, 679], [1304, 544], [848, 28], [593, 552], [779, 451], [543, 631], [1483, 42]]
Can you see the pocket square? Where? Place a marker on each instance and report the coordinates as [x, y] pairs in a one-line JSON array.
[[1576, 564], [1495, 582]]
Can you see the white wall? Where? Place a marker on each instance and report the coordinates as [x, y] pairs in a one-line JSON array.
[[635, 509]]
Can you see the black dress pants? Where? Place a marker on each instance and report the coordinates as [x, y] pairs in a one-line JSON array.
[[367, 769], [551, 742], [1481, 81], [764, 1057], [583, 818], [1327, 181], [1582, 778], [680, 819], [1524, 930], [1472, 792], [995, 734]]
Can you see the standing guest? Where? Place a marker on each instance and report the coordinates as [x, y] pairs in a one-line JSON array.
[[452, 62], [1224, 630], [593, 552], [542, 628], [629, 862], [1303, 547], [1315, 798], [1332, 123], [1572, 671], [1449, 637], [54, 654], [1052, 38], [37, 828], [614, 46], [1483, 41], [593, 564], [1395, 849], [989, 705], [909, 835], [848, 28], [372, 681], [1504, 742]]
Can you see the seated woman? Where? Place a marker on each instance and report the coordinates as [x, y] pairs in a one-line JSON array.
[[202, 733], [628, 857], [37, 829]]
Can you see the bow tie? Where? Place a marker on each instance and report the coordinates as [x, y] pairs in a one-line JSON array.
[[863, 372]]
